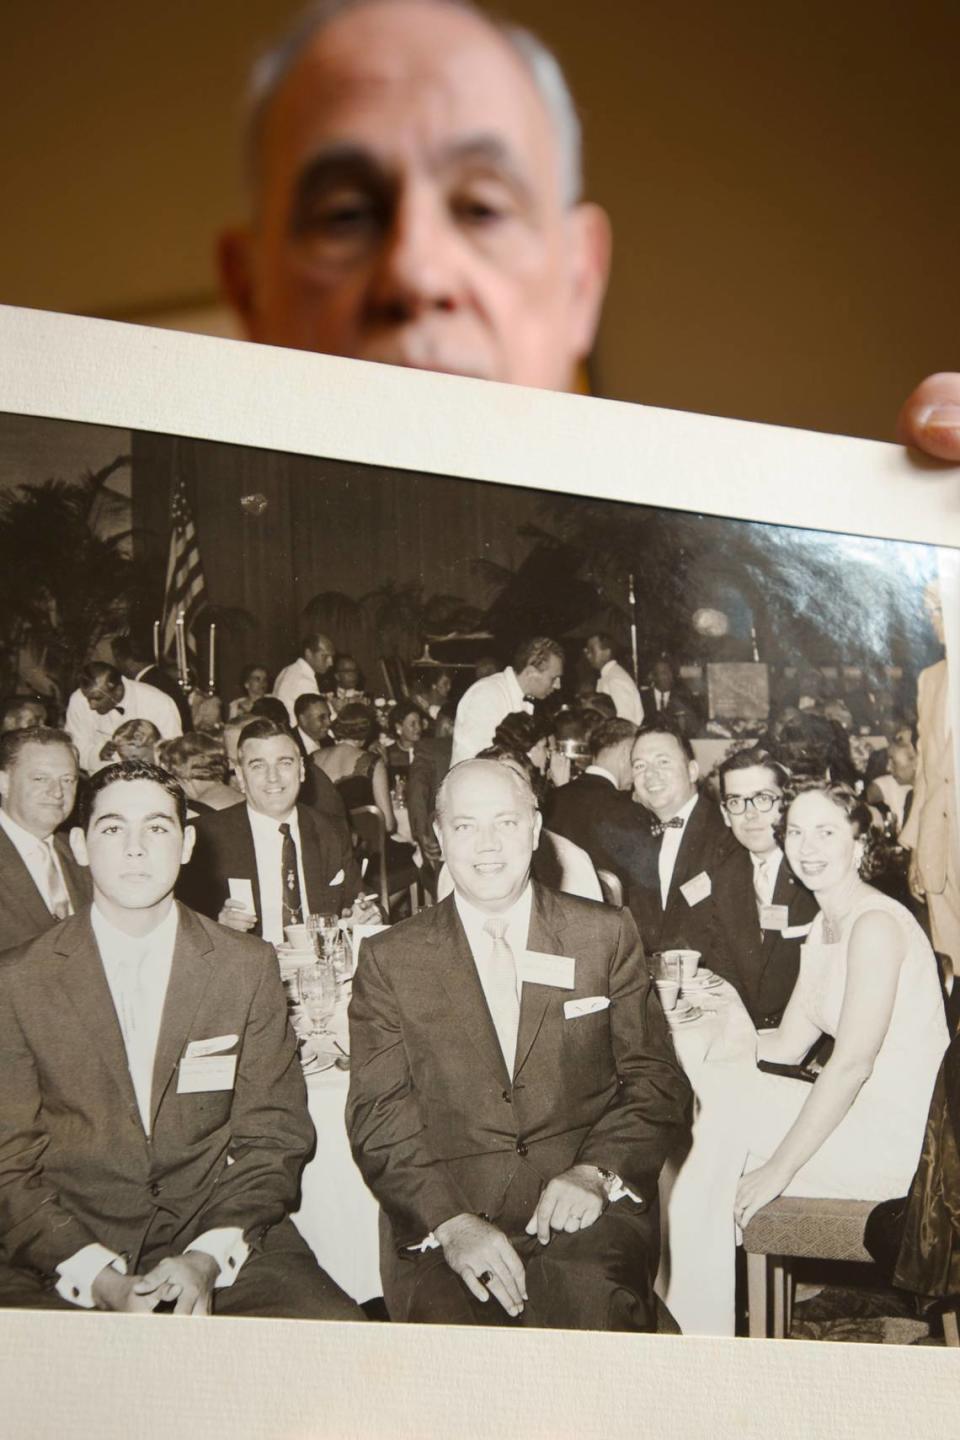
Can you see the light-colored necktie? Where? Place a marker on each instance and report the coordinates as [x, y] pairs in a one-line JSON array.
[[502, 994], [132, 1012], [56, 890], [761, 882]]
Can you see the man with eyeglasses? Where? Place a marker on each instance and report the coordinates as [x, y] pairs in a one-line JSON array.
[[762, 913]]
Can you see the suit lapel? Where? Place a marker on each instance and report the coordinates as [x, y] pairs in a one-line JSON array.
[[189, 977], [82, 979], [19, 886], [314, 858], [544, 937], [458, 975]]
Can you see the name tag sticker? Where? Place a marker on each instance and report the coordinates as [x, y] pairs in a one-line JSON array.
[[212, 1046], [797, 932], [697, 889], [242, 890], [536, 968], [774, 917], [206, 1072], [589, 1005]]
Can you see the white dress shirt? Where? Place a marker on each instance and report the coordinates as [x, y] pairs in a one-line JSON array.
[[268, 847], [90, 731], [604, 773], [37, 855], [308, 742], [137, 971], [300, 678], [485, 704], [618, 683], [670, 843]]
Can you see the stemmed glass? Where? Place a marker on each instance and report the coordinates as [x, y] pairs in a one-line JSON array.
[[317, 995]]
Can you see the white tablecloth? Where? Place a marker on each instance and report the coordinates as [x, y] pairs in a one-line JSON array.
[[696, 1280]]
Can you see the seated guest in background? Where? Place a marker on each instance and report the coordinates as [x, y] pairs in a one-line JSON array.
[[255, 683], [134, 661], [405, 726], [40, 882], [515, 1157], [268, 707], [671, 877], [570, 753], [290, 859], [104, 700], [529, 736], [207, 712], [133, 740], [595, 810], [230, 739], [598, 705], [431, 689], [312, 730], [431, 761], [485, 666], [613, 679], [813, 746], [347, 682], [667, 699], [536, 672], [359, 774], [137, 1166], [21, 712], [199, 763], [301, 675], [762, 913], [893, 788]]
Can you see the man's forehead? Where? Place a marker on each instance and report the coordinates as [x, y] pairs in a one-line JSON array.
[[750, 779], [131, 799], [272, 747], [47, 757], [648, 745], [484, 787]]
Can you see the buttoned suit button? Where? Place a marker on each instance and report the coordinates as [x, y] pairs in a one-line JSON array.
[[154, 1188], [507, 1096], [521, 1148]]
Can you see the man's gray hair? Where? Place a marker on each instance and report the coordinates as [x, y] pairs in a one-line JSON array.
[[518, 777], [274, 65]]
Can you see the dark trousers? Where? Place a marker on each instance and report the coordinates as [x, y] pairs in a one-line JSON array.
[[600, 1278], [281, 1280]]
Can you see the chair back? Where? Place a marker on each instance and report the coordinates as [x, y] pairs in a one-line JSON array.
[[611, 887], [368, 825]]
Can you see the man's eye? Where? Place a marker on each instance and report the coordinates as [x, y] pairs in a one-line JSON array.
[[339, 217], [482, 206]]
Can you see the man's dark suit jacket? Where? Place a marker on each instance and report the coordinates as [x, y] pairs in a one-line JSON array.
[[439, 1127], [23, 911], [225, 851], [681, 709], [761, 964], [160, 680], [679, 925], [431, 761], [75, 1164], [601, 819]]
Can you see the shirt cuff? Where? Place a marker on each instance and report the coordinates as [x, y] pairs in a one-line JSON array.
[[618, 1191], [78, 1272], [227, 1246], [429, 1243]]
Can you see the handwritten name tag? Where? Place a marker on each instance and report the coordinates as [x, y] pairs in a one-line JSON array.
[[206, 1072], [588, 1005], [211, 1046], [242, 890], [697, 889], [536, 968], [774, 917]]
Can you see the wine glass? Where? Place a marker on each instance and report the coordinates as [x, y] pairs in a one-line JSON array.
[[317, 995], [323, 931]]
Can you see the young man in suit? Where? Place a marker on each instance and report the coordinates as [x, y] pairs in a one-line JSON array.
[[40, 882], [291, 859], [154, 1122], [670, 885], [668, 701], [762, 912], [513, 1089], [132, 662], [596, 811]]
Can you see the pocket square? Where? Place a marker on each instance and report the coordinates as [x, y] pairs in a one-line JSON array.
[[337, 879], [213, 1046], [589, 1005]]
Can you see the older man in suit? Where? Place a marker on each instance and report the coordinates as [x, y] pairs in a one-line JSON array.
[[40, 882], [266, 864], [762, 912], [513, 1089], [671, 879], [152, 1138]]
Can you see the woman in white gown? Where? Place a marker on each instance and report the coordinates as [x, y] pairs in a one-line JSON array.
[[868, 977]]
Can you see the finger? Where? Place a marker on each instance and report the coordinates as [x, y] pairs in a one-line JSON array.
[[186, 1297], [544, 1215], [202, 1305], [473, 1285], [930, 419], [571, 1224], [562, 1212], [515, 1266], [506, 1294]]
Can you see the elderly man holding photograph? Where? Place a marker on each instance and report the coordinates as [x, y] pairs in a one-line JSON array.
[[513, 1089]]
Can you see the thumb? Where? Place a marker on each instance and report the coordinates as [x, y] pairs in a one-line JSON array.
[[930, 419]]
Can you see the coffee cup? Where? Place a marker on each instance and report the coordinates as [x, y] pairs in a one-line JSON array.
[[688, 960], [669, 992], [298, 937]]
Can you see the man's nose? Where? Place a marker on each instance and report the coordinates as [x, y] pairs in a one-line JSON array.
[[488, 838], [417, 267]]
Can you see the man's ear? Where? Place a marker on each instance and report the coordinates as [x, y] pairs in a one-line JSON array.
[[694, 772], [726, 818], [235, 268], [537, 827], [436, 831], [4, 784], [591, 241], [78, 844], [189, 840]]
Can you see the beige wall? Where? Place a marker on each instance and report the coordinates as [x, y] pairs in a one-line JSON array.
[[782, 177]]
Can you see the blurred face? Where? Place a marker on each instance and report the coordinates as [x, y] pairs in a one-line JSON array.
[[39, 789], [902, 764], [663, 778], [270, 773], [410, 208], [410, 729], [539, 755], [347, 674], [595, 653], [442, 687], [104, 697], [820, 844], [488, 833], [256, 683], [321, 657], [755, 786], [26, 717], [662, 676], [541, 683], [315, 720], [134, 847]]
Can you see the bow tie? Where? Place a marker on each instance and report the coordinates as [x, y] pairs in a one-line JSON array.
[[658, 826]]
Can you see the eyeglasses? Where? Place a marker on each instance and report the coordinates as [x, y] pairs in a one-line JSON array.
[[762, 802]]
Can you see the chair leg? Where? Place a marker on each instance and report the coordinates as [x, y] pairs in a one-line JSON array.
[[951, 1327], [757, 1296], [782, 1287], [414, 897]]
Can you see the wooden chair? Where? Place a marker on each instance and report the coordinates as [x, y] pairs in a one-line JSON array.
[[370, 829], [611, 887]]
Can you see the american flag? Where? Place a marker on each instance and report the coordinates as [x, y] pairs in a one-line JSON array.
[[185, 589]]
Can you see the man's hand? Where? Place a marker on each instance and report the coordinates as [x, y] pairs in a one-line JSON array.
[[572, 1201], [366, 911], [913, 879], [188, 1279], [112, 1290], [930, 419], [236, 916], [560, 768], [484, 1259]]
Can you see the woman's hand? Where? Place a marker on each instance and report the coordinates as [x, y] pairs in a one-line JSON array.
[[757, 1189]]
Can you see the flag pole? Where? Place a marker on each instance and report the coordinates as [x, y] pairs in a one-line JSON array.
[[633, 626]]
